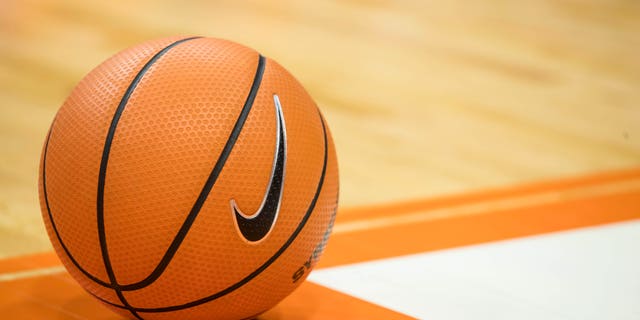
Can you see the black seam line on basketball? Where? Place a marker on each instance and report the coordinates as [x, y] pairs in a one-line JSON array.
[[204, 193], [86, 273], [273, 258], [255, 273], [102, 173], [106, 301], [53, 224]]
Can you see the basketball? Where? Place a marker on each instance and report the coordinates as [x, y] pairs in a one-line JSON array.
[[189, 178]]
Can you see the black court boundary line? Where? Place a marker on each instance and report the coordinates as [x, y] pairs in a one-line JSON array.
[[255, 273]]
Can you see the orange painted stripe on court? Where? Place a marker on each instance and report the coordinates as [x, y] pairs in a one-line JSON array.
[[558, 185], [37, 287], [368, 233], [59, 297], [40, 260]]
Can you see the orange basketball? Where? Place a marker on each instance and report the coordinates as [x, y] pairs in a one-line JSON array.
[[189, 178]]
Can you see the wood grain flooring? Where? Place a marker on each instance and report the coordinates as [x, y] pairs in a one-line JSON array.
[[424, 98]]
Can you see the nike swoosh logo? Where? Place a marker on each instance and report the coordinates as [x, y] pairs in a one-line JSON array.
[[256, 226]]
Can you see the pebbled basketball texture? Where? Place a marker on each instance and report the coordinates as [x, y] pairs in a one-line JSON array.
[[141, 163]]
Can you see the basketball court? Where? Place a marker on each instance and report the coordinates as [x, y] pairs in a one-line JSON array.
[[489, 153]]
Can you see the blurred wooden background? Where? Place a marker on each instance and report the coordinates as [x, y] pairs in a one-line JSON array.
[[424, 98]]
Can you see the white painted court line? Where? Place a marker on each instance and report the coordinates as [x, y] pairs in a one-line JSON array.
[[4, 277], [591, 273]]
